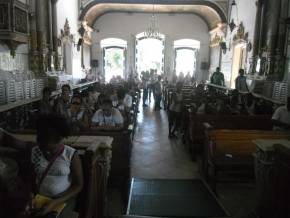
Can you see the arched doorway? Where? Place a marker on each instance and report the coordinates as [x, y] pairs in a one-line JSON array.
[[149, 53], [114, 57], [186, 52]]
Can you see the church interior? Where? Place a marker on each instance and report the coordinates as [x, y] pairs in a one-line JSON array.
[[144, 108]]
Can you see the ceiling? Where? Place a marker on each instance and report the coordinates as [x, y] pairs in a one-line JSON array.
[[212, 12]]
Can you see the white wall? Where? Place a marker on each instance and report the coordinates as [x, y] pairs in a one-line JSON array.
[[19, 62], [247, 15], [126, 26]]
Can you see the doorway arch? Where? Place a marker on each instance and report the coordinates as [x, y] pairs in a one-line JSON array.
[[149, 53], [114, 57], [186, 55]]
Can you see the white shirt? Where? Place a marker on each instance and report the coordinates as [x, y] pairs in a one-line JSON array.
[[58, 178], [128, 101], [283, 115], [113, 120]]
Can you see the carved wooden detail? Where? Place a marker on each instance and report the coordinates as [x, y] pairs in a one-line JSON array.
[[13, 23], [4, 18], [20, 20]]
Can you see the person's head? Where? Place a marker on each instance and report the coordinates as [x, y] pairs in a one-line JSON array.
[[107, 107], [65, 92], [241, 72], [46, 92], [121, 93], [159, 78], [218, 69], [76, 102], [51, 130], [288, 103]]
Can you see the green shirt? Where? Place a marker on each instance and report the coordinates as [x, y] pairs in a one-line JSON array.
[[217, 78]]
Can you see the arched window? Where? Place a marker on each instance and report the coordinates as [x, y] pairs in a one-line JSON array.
[[186, 51], [114, 57], [149, 53]]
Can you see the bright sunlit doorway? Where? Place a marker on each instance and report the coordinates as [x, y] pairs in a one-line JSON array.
[[149, 53], [114, 56], [186, 51]]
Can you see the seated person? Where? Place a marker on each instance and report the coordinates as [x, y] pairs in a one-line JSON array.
[[250, 103], [114, 97], [281, 117], [77, 116], [57, 167], [107, 118], [222, 107], [128, 101], [234, 104], [62, 104], [46, 105], [93, 97]]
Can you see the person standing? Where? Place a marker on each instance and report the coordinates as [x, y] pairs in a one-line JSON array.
[[158, 93], [175, 108], [217, 78], [241, 82]]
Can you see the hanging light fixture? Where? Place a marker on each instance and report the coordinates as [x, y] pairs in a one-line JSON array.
[[232, 24], [152, 30]]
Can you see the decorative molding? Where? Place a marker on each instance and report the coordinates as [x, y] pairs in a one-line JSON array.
[[87, 36], [241, 35], [65, 32], [216, 41]]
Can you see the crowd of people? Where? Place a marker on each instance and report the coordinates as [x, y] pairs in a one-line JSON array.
[[102, 107], [106, 107]]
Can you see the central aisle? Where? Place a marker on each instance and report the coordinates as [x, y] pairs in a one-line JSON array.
[[153, 154]]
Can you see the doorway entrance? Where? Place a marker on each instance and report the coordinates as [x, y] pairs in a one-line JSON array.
[[186, 51], [114, 57], [149, 53]]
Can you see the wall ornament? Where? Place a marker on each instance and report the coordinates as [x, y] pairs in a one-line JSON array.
[[241, 35], [216, 41]]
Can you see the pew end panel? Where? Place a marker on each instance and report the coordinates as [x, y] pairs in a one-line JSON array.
[[231, 152]]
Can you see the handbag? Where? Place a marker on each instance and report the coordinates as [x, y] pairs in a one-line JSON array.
[[41, 200]]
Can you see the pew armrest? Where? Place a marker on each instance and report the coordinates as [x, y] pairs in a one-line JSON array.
[[207, 126], [130, 127]]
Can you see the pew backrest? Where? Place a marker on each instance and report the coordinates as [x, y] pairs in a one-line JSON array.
[[238, 143]]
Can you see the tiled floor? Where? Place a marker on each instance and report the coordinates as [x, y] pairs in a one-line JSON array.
[[155, 156]]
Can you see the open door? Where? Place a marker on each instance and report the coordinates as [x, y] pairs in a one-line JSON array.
[[114, 62]]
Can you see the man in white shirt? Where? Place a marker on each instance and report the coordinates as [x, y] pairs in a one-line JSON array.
[[107, 118], [281, 117]]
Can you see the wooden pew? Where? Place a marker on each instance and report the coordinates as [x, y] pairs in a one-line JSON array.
[[231, 151], [196, 136], [121, 154], [96, 165], [282, 190]]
